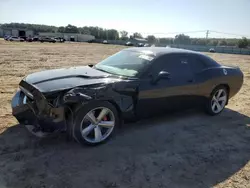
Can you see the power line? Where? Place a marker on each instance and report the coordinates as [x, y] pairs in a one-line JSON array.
[[230, 34], [207, 33], [170, 32]]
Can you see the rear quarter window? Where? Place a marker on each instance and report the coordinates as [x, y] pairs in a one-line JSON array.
[[197, 65], [209, 61]]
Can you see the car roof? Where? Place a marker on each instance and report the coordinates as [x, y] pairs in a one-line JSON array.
[[159, 51]]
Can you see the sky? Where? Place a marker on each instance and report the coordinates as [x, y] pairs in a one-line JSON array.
[[163, 18]]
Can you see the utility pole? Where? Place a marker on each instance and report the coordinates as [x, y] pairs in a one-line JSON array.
[[207, 33]]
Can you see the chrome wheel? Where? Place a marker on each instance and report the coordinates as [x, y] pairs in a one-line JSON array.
[[219, 100], [97, 125]]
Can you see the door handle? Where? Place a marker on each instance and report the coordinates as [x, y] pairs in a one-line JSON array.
[[191, 80]]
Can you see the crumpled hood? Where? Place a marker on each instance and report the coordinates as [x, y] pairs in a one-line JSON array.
[[60, 79], [57, 74]]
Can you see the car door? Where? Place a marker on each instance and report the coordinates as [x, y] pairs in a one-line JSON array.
[[169, 93], [198, 66]]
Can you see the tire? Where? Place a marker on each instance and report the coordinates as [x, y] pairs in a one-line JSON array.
[[85, 131], [217, 101]]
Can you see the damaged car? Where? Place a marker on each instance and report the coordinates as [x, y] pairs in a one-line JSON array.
[[90, 102]]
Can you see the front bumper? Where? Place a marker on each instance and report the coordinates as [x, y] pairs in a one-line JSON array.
[[21, 110], [27, 112]]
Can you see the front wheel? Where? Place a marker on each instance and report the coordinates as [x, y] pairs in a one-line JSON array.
[[95, 123], [217, 101]]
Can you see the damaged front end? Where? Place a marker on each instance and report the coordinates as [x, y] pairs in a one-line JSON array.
[[30, 107]]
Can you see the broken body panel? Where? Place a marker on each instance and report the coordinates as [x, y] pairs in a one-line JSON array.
[[79, 89]]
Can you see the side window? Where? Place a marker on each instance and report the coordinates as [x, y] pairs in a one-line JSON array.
[[196, 64], [177, 65]]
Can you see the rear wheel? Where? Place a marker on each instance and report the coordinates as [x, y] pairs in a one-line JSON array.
[[95, 123], [217, 101]]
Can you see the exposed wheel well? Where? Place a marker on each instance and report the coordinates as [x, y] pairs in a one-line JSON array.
[[72, 108], [227, 87], [118, 110]]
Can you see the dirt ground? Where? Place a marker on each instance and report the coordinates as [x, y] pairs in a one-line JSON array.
[[186, 149]]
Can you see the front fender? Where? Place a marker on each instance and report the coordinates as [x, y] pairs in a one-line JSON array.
[[124, 102]]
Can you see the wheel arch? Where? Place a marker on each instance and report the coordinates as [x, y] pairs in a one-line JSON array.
[[222, 85], [74, 107]]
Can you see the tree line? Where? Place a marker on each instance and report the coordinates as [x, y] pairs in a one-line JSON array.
[[185, 39], [113, 34]]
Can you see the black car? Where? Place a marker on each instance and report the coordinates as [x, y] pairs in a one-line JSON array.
[[212, 50], [140, 45], [35, 39], [47, 39], [91, 41], [129, 44], [89, 102], [29, 39]]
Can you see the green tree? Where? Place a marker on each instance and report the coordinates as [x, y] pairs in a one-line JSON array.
[[151, 38], [243, 43], [124, 35], [182, 39], [231, 43], [137, 35], [212, 42], [215, 42], [201, 42], [222, 42], [194, 41], [84, 30], [166, 40], [112, 34], [71, 29], [60, 29]]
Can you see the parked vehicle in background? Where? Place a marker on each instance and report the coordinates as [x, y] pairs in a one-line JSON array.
[[91, 41], [146, 45], [89, 102], [23, 37], [59, 39], [140, 44], [16, 39], [212, 50], [35, 39], [29, 39], [129, 44], [105, 42], [6, 37], [47, 39]]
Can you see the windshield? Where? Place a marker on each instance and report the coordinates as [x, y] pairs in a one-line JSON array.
[[125, 63]]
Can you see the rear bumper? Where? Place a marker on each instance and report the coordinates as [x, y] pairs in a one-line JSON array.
[[26, 113]]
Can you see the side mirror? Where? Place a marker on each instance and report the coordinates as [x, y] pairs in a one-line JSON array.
[[161, 75]]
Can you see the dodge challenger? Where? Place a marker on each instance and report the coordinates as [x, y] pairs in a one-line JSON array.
[[89, 102]]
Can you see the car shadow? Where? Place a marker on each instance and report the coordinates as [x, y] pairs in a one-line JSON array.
[[185, 149]]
